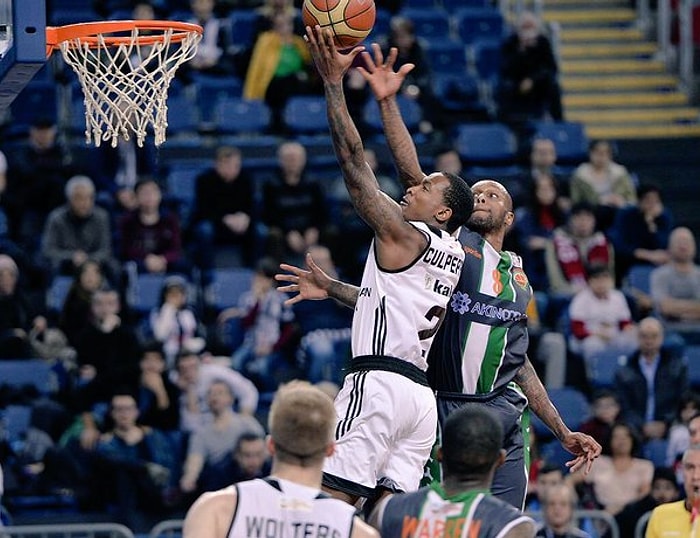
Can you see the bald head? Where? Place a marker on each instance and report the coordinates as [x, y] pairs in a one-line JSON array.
[[681, 245], [493, 184], [651, 337]]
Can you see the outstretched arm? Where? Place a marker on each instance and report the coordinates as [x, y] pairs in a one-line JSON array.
[[397, 242], [584, 447], [314, 284], [385, 84]]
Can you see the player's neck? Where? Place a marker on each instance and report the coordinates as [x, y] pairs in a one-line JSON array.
[[495, 239], [453, 485], [305, 476]]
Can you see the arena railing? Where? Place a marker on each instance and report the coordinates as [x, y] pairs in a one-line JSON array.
[[67, 530]]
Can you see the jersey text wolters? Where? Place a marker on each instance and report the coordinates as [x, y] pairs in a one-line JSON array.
[[483, 340], [398, 312], [429, 512], [275, 508]]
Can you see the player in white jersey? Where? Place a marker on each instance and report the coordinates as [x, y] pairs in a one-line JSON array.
[[474, 368], [387, 413], [289, 503]]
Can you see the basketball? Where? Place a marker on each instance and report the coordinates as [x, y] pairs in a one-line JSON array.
[[349, 20]]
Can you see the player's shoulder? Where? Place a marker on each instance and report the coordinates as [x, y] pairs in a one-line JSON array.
[[211, 513]]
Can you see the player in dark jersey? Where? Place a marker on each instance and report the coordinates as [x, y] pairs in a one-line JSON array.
[[479, 353], [461, 504]]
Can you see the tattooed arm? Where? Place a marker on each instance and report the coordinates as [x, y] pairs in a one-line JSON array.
[[385, 84], [397, 242], [583, 446]]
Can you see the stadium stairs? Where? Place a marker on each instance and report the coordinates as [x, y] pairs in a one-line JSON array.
[[610, 77]]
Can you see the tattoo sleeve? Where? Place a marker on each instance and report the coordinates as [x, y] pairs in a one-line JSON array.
[[539, 400], [343, 293], [403, 150], [359, 179]]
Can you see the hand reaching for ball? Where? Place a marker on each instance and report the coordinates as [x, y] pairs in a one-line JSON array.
[[330, 63]]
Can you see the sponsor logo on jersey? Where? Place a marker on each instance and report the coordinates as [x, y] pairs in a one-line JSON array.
[[442, 289], [463, 304], [520, 278], [472, 252]]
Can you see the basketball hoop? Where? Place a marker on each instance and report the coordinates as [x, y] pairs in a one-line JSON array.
[[125, 69]]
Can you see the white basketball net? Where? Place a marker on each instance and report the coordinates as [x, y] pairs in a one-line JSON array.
[[126, 86]]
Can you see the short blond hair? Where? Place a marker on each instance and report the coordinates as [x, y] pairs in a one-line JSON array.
[[301, 423]]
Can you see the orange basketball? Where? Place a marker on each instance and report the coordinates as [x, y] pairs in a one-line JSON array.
[[349, 20]]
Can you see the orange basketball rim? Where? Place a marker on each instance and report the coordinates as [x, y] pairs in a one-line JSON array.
[[88, 32]]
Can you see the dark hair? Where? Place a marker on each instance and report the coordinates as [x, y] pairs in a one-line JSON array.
[[550, 468], [471, 441], [247, 437], [634, 434], [646, 188], [458, 197], [582, 207], [267, 266], [605, 393], [689, 397], [597, 269], [665, 473], [557, 213], [152, 346], [224, 152], [145, 180]]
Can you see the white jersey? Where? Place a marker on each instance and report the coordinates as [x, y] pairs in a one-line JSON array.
[[398, 312], [276, 508]]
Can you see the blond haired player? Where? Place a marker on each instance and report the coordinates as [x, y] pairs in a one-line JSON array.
[[289, 502]]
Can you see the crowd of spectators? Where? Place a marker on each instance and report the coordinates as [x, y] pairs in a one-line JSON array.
[[160, 405]]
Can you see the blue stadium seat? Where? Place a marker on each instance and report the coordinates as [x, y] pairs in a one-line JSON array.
[[487, 59], [56, 293], [479, 24], [573, 407], [429, 24], [553, 453], [453, 5], [183, 117], [227, 286], [210, 90], [242, 24], [457, 92], [15, 421], [420, 4], [33, 372], [639, 278], [239, 116], [692, 355], [446, 57], [655, 451], [382, 26], [410, 112], [39, 99], [62, 15], [306, 114], [180, 184], [144, 291], [570, 140], [490, 144], [602, 367]]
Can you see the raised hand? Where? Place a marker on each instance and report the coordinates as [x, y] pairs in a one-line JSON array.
[[330, 63], [307, 284], [380, 74]]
